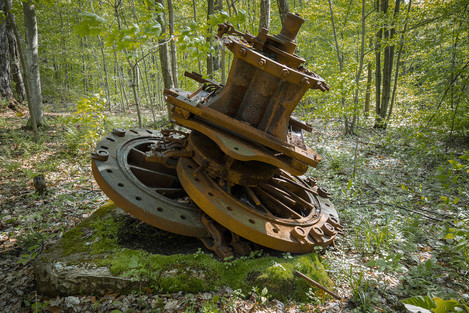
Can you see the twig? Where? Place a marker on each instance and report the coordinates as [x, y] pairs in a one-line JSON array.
[[319, 285]]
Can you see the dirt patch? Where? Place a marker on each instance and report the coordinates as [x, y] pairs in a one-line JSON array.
[[137, 235]]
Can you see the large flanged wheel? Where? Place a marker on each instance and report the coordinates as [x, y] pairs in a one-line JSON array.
[[137, 172], [284, 213]]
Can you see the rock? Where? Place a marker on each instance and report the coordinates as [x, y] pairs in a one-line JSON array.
[[91, 259], [71, 301]]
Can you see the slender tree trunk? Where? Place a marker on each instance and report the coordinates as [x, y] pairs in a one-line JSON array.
[[398, 62], [194, 8], [341, 63], [174, 61], [106, 80], [15, 63], [6, 93], [165, 60], [283, 9], [359, 72], [210, 65], [32, 63], [264, 19], [368, 89], [388, 34]]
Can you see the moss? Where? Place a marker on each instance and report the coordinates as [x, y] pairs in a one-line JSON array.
[[190, 272], [100, 229]]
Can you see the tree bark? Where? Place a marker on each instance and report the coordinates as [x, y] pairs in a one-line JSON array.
[[264, 19], [283, 9], [32, 64], [210, 58], [398, 62], [166, 71], [6, 93], [15, 63], [174, 61], [386, 33], [368, 90]]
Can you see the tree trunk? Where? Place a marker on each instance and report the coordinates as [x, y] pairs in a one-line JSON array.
[[32, 63], [174, 61], [264, 19], [15, 63], [6, 93], [164, 59], [283, 9], [388, 34], [368, 90], [398, 61], [210, 11], [359, 72]]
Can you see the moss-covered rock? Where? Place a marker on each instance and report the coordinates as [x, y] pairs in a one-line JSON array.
[[90, 259]]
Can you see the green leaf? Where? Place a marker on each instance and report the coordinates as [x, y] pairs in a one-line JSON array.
[[90, 25], [425, 303], [444, 306], [416, 309]]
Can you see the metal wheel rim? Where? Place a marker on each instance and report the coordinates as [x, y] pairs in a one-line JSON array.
[[300, 236], [119, 182]]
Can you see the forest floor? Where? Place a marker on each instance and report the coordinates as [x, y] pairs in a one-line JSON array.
[[396, 193]]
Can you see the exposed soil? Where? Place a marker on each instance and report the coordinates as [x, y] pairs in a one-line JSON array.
[[135, 234]]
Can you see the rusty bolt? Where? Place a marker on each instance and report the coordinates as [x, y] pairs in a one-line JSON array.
[[119, 132], [100, 155], [299, 234], [305, 81], [328, 229], [262, 62], [243, 52], [323, 192], [285, 72]]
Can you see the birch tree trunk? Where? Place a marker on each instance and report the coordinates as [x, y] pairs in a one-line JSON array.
[[32, 64], [174, 61]]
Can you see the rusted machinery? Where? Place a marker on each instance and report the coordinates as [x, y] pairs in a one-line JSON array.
[[236, 174]]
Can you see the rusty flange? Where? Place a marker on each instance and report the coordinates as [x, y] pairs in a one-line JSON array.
[[136, 171], [284, 214]]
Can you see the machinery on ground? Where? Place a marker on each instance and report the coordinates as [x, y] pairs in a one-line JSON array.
[[235, 175]]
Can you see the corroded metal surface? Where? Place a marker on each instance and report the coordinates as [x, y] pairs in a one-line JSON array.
[[237, 172], [148, 190]]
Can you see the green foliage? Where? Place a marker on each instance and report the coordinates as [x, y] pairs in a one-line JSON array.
[[426, 304], [457, 247], [87, 124], [90, 25]]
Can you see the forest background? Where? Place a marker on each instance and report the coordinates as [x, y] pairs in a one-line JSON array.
[[394, 126]]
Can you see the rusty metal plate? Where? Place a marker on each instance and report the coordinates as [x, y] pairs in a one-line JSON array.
[[146, 189], [302, 220]]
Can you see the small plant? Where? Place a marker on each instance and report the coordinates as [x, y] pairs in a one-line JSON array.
[[457, 239], [87, 124], [437, 305], [261, 296]]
